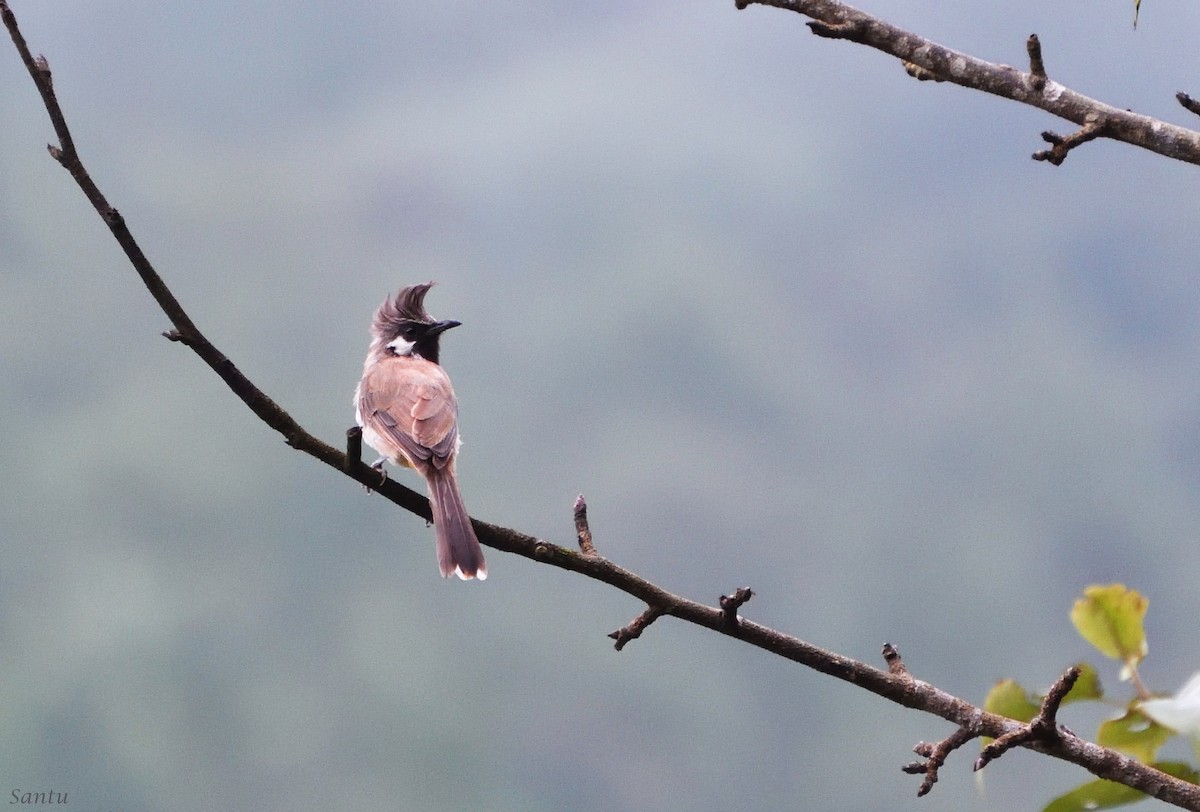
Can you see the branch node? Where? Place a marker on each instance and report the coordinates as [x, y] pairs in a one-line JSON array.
[[1093, 128], [1189, 104], [174, 335], [582, 531], [896, 666], [935, 756], [731, 603], [1043, 727], [922, 74], [852, 30], [634, 630], [1037, 68]]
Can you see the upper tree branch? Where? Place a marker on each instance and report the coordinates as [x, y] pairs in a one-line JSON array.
[[896, 684], [834, 19]]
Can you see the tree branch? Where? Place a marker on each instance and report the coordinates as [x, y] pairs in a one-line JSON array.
[[925, 59], [895, 684]]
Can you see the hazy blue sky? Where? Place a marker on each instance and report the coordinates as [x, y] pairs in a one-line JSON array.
[[789, 319]]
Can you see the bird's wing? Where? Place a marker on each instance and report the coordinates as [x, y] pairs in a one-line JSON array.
[[410, 401]]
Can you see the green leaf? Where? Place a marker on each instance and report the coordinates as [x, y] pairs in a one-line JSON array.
[[1101, 794], [1086, 687], [1008, 698], [1134, 734], [1110, 618], [1098, 794], [1180, 769]]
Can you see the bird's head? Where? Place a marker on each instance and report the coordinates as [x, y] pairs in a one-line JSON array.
[[402, 327]]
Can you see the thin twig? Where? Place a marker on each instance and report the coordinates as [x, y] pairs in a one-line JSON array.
[[1189, 104], [935, 756], [1044, 726], [635, 628], [353, 448], [1037, 68], [1061, 145], [583, 533]]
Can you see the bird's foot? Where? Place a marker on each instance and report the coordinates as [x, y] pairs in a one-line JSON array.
[[383, 477]]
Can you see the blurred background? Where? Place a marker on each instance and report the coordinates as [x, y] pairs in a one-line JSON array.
[[787, 317]]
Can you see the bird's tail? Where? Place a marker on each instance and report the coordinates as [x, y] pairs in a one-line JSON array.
[[458, 550]]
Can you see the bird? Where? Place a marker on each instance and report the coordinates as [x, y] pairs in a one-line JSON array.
[[408, 412]]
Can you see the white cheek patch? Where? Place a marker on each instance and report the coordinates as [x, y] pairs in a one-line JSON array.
[[401, 347]]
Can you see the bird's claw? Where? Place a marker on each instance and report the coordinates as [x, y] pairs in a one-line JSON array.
[[383, 476]]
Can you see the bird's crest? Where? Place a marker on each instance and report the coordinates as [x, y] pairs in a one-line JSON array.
[[409, 305]]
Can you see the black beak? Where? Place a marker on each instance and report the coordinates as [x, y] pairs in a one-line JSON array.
[[439, 327]]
